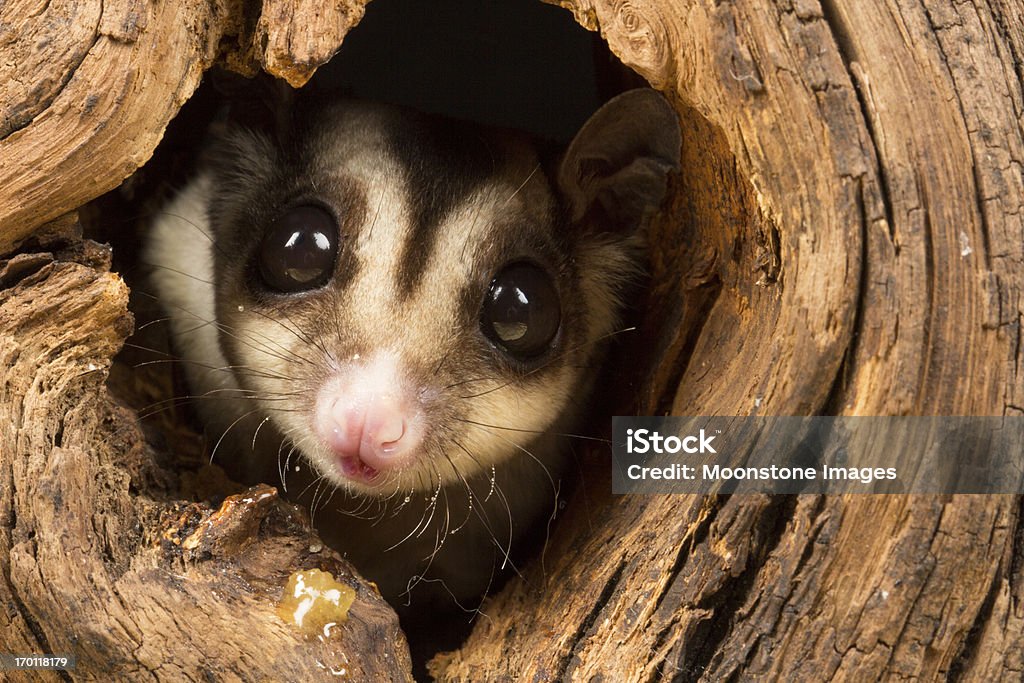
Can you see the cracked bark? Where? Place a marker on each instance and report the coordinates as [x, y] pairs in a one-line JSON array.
[[98, 559], [102, 556], [845, 238], [881, 141]]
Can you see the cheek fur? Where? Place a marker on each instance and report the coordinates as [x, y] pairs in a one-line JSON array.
[[476, 416]]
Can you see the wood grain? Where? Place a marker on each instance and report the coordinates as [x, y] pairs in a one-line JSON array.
[[87, 88], [845, 239], [97, 557]]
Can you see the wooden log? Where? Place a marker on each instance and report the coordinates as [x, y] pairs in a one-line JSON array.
[[98, 559], [845, 239], [82, 109], [853, 192]]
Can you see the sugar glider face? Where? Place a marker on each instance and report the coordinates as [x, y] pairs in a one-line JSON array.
[[411, 300]]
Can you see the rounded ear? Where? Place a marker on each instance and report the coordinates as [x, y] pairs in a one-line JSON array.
[[616, 168]]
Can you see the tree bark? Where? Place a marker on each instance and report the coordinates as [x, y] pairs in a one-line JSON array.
[[845, 239], [81, 109], [98, 559], [851, 211]]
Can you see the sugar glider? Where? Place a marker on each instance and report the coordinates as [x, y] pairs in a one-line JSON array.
[[409, 310]]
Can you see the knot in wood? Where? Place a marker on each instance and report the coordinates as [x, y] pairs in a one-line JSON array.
[[639, 36]]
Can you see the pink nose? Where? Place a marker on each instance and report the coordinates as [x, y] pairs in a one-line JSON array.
[[368, 432]]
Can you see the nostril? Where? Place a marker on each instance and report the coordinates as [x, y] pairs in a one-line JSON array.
[[349, 419], [341, 424], [385, 425], [390, 438]]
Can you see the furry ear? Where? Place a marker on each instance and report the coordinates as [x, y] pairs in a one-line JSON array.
[[616, 168]]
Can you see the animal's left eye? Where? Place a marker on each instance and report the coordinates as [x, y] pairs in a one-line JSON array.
[[521, 313], [299, 250]]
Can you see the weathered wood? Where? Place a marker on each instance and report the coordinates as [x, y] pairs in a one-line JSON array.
[[845, 239], [97, 559], [857, 249], [88, 87]]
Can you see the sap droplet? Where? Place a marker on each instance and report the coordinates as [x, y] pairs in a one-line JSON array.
[[314, 602]]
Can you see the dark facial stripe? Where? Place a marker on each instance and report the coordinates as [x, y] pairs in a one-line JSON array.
[[443, 162]]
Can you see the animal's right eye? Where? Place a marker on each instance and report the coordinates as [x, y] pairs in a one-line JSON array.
[[299, 250]]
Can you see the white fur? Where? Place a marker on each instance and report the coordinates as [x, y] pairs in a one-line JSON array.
[[179, 252]]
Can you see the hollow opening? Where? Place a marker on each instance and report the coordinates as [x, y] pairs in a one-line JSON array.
[[525, 66]]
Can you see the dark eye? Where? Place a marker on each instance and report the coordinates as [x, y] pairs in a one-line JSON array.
[[521, 313], [299, 249]]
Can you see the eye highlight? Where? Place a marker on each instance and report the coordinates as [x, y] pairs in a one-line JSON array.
[[299, 250], [521, 312]]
